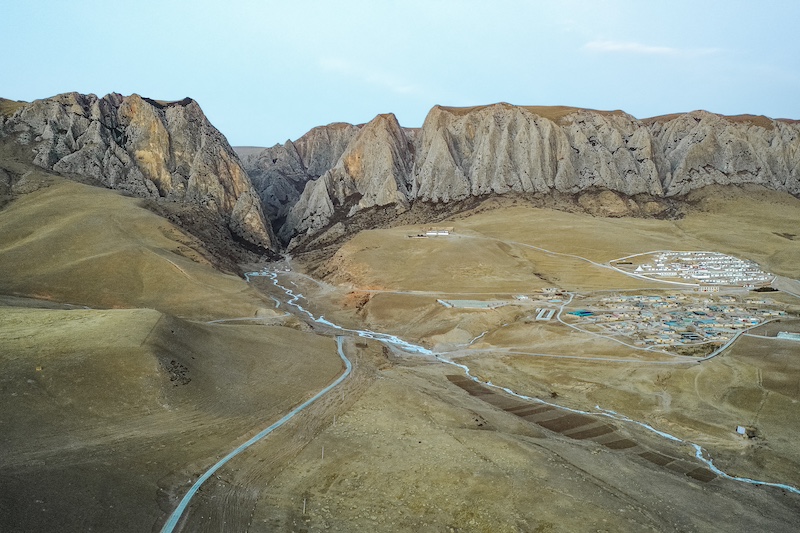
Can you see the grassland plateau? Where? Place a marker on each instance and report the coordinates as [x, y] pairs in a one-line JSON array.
[[494, 387]]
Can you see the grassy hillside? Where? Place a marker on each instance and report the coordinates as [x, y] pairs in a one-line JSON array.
[[488, 252], [107, 410], [70, 242]]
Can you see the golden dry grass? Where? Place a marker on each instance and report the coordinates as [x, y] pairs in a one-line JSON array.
[[8, 107], [91, 395], [74, 243], [492, 252], [554, 113], [755, 383], [126, 397], [493, 255]]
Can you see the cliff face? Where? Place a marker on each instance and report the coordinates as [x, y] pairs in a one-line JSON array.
[[147, 148], [499, 149], [502, 148], [321, 148], [374, 170], [699, 148], [280, 173]]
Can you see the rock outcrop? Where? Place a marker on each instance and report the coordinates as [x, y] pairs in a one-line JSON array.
[[279, 174], [373, 171], [144, 147], [460, 153], [502, 149], [700, 148], [321, 148]]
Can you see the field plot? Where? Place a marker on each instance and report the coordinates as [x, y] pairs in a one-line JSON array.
[[755, 384], [457, 461], [440, 448]]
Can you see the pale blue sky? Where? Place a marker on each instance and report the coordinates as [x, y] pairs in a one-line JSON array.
[[266, 71]]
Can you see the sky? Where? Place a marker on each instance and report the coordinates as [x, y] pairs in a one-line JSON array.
[[266, 71]]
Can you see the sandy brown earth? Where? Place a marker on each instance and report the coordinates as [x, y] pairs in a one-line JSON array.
[[436, 459], [69, 242], [109, 413], [410, 450], [111, 403], [374, 282]]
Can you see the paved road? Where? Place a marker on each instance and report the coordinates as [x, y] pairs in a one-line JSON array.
[[787, 285], [176, 515]]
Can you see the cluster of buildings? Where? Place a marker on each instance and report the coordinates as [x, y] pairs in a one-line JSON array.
[[705, 268], [433, 232], [677, 319], [472, 304]]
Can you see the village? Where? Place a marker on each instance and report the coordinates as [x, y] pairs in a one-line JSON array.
[[700, 316], [711, 268], [676, 319]]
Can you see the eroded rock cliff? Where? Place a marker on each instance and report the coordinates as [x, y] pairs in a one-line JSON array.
[[597, 157], [503, 148], [280, 173], [700, 148], [147, 148], [374, 170]]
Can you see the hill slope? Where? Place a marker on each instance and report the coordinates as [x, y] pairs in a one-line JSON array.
[[148, 148], [106, 411]]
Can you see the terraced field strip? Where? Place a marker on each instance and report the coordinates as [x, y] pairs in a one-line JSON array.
[[580, 426]]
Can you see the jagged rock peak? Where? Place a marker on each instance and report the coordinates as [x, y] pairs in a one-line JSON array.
[[372, 171], [504, 149], [146, 147], [321, 147], [702, 148], [280, 173], [501, 148]]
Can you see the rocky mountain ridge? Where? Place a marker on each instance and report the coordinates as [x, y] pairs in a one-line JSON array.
[[606, 163], [280, 173], [595, 156], [147, 148]]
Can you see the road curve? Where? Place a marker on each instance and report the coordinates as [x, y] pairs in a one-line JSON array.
[[174, 518]]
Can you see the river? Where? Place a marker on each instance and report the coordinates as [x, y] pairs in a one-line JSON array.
[[394, 341]]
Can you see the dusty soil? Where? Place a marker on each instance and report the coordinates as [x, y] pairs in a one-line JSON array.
[[97, 432], [414, 451], [459, 461], [108, 414]]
